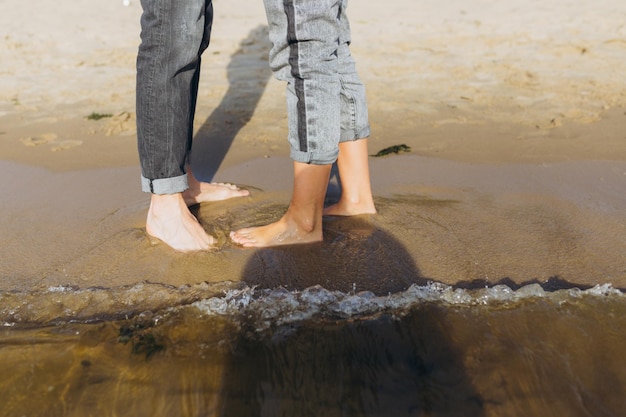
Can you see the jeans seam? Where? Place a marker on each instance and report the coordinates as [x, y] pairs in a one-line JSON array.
[[353, 109], [150, 89], [299, 83]]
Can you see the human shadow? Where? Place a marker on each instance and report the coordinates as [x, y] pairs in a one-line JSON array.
[[248, 74], [400, 363], [354, 256]]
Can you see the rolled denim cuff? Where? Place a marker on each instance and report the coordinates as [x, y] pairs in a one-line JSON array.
[[165, 185], [352, 135], [316, 158]]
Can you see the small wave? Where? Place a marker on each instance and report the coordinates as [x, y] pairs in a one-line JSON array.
[[265, 309], [63, 304], [261, 308]]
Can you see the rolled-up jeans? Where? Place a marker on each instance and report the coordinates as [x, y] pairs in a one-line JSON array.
[[325, 97], [174, 33]]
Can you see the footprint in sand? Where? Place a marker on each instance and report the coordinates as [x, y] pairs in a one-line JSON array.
[[122, 124], [39, 140], [51, 139], [65, 144]]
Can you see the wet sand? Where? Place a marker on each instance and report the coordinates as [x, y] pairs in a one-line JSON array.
[[514, 114]]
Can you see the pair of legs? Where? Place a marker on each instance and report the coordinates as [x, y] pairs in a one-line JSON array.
[[328, 119], [174, 34], [302, 223]]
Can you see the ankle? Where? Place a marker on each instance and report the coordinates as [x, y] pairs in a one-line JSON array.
[[358, 201], [161, 204], [304, 224]]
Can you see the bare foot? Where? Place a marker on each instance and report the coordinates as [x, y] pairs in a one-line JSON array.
[[170, 220], [350, 208], [204, 192], [302, 223], [283, 232]]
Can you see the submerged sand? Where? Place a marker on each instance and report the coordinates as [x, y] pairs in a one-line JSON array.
[[514, 113]]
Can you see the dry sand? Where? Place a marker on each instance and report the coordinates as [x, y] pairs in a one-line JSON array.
[[515, 112]]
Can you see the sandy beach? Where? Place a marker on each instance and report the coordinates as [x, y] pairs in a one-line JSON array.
[[515, 114]]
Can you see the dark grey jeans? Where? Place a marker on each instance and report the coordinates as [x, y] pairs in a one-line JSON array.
[[174, 33]]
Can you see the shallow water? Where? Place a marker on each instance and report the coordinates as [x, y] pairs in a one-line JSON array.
[[357, 325], [234, 350]]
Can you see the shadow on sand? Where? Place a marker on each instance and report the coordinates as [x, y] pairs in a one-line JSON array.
[[248, 74], [372, 367], [368, 366]]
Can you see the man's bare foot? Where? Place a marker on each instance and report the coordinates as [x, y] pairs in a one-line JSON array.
[[204, 192], [170, 220], [283, 232]]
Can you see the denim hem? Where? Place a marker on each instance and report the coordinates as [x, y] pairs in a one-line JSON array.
[[350, 135], [165, 185], [315, 159]]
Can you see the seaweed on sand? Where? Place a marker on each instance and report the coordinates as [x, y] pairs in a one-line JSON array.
[[98, 116], [393, 149]]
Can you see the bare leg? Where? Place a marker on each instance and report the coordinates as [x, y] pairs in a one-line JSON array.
[[356, 196], [203, 192], [302, 223]]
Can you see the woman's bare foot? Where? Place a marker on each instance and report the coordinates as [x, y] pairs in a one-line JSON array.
[[203, 192], [350, 208], [286, 231], [170, 220], [302, 223]]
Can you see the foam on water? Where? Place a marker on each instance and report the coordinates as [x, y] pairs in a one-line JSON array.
[[268, 308], [63, 304], [263, 308]]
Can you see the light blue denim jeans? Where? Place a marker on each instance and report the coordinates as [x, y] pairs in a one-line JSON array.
[[174, 33], [325, 97]]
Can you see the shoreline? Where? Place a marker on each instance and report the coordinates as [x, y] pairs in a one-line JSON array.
[[517, 168], [458, 222]]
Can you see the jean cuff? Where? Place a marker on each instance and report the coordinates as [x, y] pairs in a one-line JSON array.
[[351, 135], [317, 158], [165, 185]]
